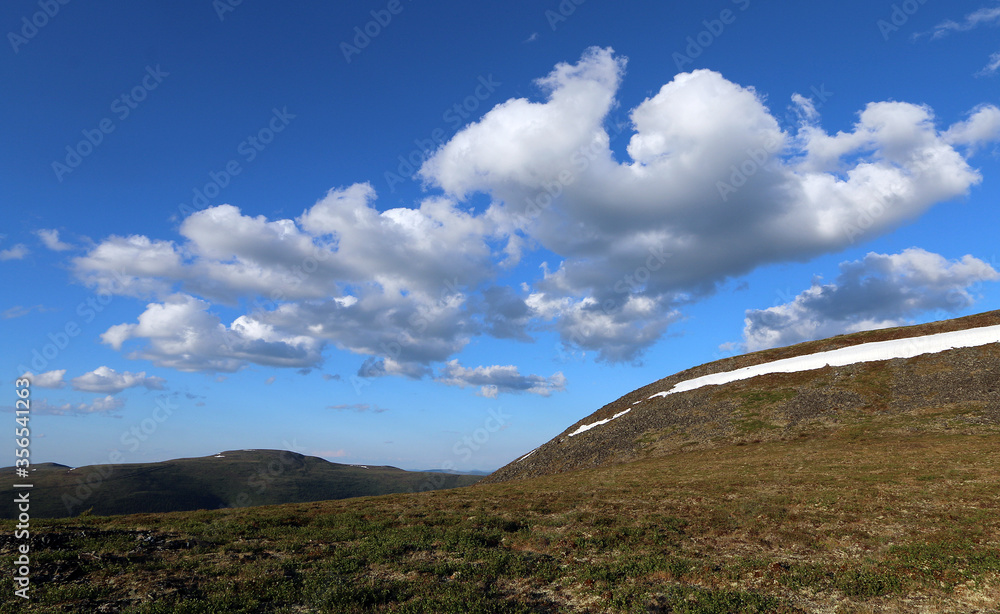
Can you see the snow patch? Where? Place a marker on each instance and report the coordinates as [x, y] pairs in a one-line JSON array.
[[587, 427], [864, 352], [526, 455]]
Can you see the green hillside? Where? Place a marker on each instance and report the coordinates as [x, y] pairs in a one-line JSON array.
[[852, 521], [951, 390], [238, 478]]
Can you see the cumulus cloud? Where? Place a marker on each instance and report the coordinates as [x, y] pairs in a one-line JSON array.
[[505, 314], [495, 380], [50, 238], [712, 188], [49, 379], [105, 405], [18, 252], [878, 291], [134, 265], [181, 333], [709, 187], [106, 380], [983, 126]]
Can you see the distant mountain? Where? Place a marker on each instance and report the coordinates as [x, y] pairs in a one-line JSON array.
[[238, 478], [954, 390]]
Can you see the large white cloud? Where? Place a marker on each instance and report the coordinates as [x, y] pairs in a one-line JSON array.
[[711, 180], [106, 380], [710, 187], [880, 291]]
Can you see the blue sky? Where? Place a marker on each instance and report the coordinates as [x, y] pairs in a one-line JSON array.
[[436, 235]]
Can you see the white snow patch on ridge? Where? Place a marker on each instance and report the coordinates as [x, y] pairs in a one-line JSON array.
[[864, 352], [587, 427], [526, 455]]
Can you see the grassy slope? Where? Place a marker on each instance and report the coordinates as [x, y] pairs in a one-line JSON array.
[[856, 519], [239, 479], [780, 405]]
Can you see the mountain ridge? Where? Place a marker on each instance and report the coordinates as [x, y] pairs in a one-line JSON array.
[[775, 405], [232, 478]]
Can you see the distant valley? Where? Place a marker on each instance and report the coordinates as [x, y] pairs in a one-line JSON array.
[[236, 478]]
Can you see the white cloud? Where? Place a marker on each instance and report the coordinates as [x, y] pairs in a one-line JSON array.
[[986, 16], [983, 126], [108, 381], [712, 182], [49, 379], [496, 379], [18, 252], [359, 407], [134, 265], [104, 405], [18, 311], [877, 292], [183, 335], [991, 67], [50, 238], [710, 188]]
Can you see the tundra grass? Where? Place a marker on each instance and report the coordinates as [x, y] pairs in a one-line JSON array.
[[860, 523]]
